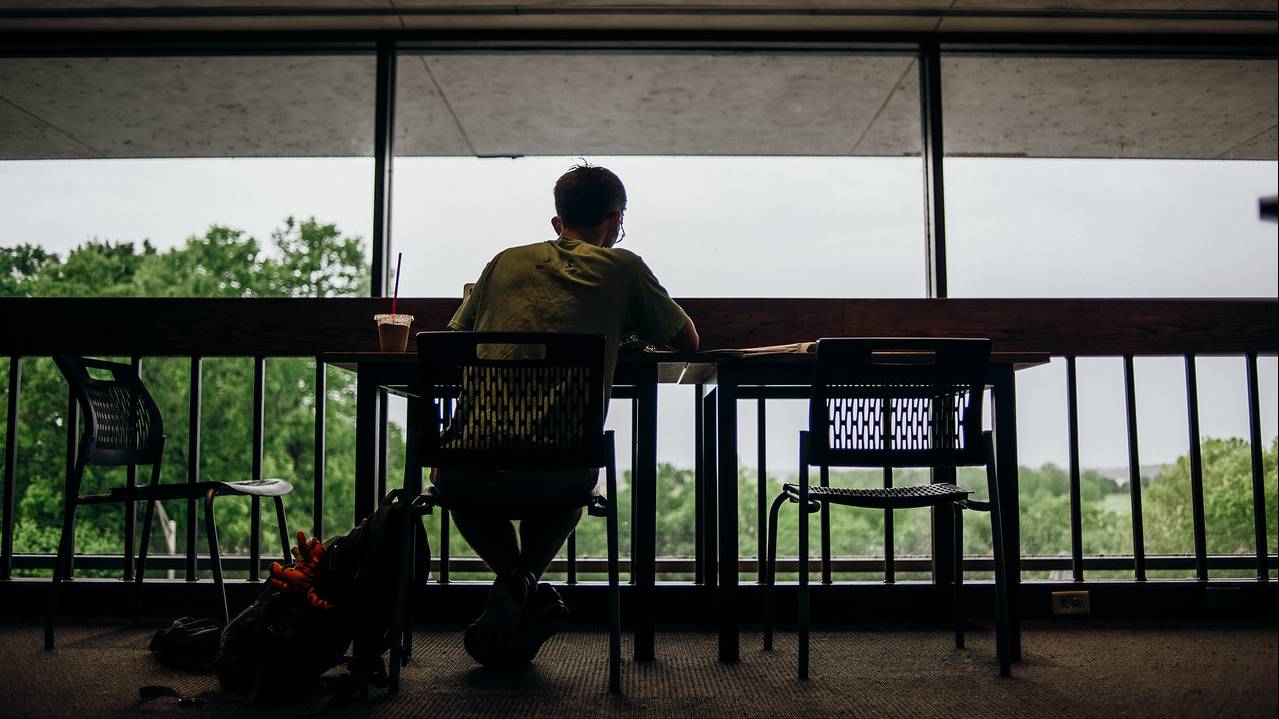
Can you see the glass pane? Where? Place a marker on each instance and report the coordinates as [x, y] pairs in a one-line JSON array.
[[187, 176], [800, 172], [1120, 177]]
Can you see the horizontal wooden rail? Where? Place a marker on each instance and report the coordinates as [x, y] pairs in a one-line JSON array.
[[282, 327]]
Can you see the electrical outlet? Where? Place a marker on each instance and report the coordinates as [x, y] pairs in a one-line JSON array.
[[1071, 603]]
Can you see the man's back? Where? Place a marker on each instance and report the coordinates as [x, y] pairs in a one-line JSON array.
[[571, 286]]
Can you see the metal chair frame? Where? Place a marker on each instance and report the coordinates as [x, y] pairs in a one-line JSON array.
[[124, 427], [444, 360], [852, 423]]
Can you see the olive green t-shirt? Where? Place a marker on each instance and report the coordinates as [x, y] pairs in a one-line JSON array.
[[570, 286], [561, 286]]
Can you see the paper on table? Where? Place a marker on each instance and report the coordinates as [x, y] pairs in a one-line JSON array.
[[793, 348]]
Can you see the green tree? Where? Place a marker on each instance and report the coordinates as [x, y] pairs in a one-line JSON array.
[[1227, 493], [304, 258]]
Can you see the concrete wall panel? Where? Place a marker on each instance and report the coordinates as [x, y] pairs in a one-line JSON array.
[[424, 124], [23, 135], [1133, 108], [200, 107], [711, 104]]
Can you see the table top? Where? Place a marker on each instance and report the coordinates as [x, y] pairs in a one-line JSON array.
[[674, 367]]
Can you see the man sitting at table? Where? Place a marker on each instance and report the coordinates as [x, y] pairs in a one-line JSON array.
[[578, 282]]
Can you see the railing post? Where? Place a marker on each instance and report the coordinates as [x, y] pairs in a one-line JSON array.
[[824, 480], [194, 423], [1134, 472], [255, 519], [321, 407], [761, 497], [1076, 510], [890, 571], [73, 437], [1196, 471], [130, 481], [1258, 472], [10, 466]]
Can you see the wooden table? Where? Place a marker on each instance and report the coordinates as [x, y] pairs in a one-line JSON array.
[[726, 377], [729, 378]]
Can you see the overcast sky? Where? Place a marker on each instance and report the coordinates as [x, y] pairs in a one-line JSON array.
[[781, 227]]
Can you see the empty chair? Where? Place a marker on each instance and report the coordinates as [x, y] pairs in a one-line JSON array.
[[508, 401], [122, 427], [894, 403]]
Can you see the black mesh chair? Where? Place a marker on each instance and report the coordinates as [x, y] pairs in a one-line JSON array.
[[514, 401], [894, 403], [122, 427]]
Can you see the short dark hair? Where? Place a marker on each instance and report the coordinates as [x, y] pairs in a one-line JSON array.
[[585, 195]]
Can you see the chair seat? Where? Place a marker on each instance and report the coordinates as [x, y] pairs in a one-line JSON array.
[[923, 495], [259, 488]]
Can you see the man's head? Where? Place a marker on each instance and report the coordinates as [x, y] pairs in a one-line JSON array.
[[590, 199]]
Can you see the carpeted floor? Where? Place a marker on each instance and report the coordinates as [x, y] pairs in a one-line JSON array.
[[1090, 668]]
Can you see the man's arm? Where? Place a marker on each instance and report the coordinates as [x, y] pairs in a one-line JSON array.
[[686, 340]]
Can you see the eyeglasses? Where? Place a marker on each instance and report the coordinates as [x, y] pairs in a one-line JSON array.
[[621, 235]]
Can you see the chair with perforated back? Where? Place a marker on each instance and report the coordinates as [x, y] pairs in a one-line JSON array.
[[512, 401], [123, 427], [894, 403]]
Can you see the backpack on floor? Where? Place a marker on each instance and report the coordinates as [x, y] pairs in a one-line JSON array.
[[283, 642], [189, 643]]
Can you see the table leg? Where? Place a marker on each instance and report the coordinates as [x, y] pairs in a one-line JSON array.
[[368, 422], [1004, 418], [726, 409], [644, 499], [699, 486], [710, 491], [412, 467]]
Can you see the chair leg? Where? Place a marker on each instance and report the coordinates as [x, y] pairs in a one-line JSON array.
[[141, 570], [803, 555], [399, 624], [60, 566], [406, 640], [215, 556], [283, 526], [614, 576], [1001, 581], [959, 575], [770, 577]]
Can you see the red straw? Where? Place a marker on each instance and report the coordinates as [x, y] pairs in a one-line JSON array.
[[396, 295]]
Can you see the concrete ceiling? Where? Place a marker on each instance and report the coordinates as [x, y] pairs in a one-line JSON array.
[[644, 104], [616, 103]]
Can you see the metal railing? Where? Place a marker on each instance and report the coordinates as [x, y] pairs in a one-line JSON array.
[[190, 562]]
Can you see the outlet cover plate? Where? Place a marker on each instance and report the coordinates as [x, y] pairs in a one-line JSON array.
[[1074, 603]]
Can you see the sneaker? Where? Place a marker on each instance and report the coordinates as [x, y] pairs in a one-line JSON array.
[[544, 615], [488, 639]]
